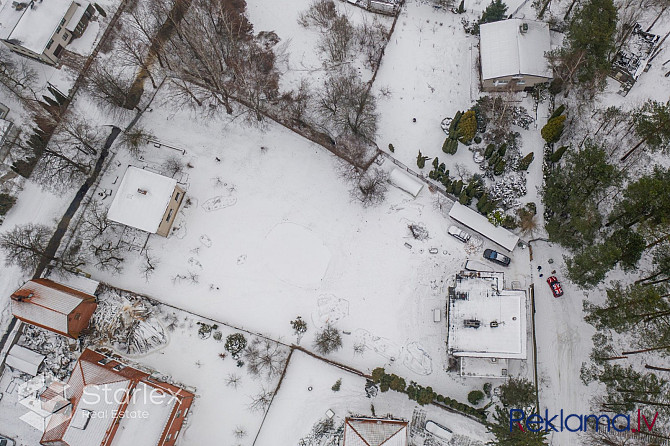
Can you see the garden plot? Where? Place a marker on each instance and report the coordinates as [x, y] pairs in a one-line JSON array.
[[231, 396], [429, 69], [380, 285], [303, 59], [306, 395]]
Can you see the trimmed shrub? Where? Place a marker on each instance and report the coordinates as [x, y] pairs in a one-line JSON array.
[[421, 160], [499, 167], [478, 139], [6, 203], [558, 154], [475, 397], [391, 148], [436, 162], [502, 150], [100, 10], [558, 112], [488, 153], [235, 343], [336, 387], [553, 129], [487, 389], [525, 162], [509, 222], [467, 127], [457, 187], [463, 198]]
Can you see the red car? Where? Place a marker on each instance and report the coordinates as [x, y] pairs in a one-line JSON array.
[[555, 286]]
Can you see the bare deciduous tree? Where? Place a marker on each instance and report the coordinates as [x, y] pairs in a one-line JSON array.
[[135, 139], [261, 401], [347, 106], [265, 358], [371, 187], [173, 165], [328, 340], [25, 246], [320, 13], [337, 41], [149, 264], [17, 75], [70, 154]]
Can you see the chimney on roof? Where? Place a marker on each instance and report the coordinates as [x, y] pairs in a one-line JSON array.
[[523, 28], [22, 295], [142, 191]]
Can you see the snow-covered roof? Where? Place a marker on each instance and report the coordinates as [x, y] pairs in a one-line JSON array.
[[76, 17], [98, 403], [145, 431], [141, 200], [35, 25], [506, 50], [24, 360], [374, 432], [479, 223], [405, 182], [46, 304], [479, 296]]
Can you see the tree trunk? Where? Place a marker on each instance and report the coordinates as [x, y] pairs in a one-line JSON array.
[[660, 369], [646, 350], [630, 152], [656, 19]]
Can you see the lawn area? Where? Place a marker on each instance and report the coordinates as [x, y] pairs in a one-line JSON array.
[[306, 395]]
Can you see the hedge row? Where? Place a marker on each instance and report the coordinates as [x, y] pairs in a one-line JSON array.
[[420, 394]]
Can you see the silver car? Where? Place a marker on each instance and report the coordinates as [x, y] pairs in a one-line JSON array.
[[458, 233]]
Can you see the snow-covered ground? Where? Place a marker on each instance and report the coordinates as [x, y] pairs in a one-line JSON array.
[[256, 212], [429, 69], [305, 396], [298, 44]]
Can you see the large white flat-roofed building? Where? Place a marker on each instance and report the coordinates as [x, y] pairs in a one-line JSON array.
[[512, 54], [41, 29], [487, 323], [146, 201]]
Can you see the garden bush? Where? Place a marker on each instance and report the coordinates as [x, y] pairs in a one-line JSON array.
[[499, 167], [467, 127], [489, 151], [558, 154], [553, 129], [525, 162], [235, 343], [558, 112], [6, 203]]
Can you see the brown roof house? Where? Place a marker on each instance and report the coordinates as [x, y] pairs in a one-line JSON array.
[[375, 432], [53, 306], [106, 403]]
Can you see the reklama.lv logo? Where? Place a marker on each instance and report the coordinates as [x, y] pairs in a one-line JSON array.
[[577, 422]]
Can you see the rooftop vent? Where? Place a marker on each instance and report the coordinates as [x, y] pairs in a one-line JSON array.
[[472, 323], [523, 28], [494, 324]]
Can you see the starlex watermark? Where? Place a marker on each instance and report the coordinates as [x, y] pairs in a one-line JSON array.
[[572, 422], [95, 401]]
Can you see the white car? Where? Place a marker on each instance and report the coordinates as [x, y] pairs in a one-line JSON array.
[[459, 234]]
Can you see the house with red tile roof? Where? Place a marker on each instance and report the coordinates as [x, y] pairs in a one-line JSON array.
[[106, 403], [52, 306], [375, 432]]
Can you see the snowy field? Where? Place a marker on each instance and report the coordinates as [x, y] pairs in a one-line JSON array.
[[224, 391], [259, 211], [429, 68], [299, 44], [305, 396]]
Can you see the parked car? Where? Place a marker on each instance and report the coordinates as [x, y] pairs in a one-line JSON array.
[[555, 286], [496, 257], [459, 234], [4, 441]]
